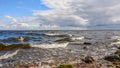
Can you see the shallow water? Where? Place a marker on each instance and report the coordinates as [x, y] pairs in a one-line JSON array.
[[100, 45]]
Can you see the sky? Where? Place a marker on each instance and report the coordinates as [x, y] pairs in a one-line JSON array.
[[59, 14]]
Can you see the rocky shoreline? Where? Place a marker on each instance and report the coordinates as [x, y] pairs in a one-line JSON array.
[[86, 50], [95, 55]]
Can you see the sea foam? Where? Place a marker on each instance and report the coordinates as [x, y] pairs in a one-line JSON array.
[[8, 55], [51, 45], [77, 38]]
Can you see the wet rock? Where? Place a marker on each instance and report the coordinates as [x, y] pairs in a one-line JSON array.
[[11, 60], [118, 47], [118, 53], [87, 43], [85, 47], [88, 59], [112, 58]]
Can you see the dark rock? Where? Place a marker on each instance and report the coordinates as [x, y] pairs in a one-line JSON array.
[[88, 59], [87, 43], [117, 53], [85, 48], [112, 58], [118, 47]]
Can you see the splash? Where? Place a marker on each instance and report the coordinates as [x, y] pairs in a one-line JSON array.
[[51, 45], [8, 55]]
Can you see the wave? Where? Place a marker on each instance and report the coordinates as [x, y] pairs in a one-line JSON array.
[[77, 38], [115, 40], [58, 35], [8, 55], [69, 39], [16, 39], [115, 37], [33, 34], [63, 40], [115, 43], [51, 45]]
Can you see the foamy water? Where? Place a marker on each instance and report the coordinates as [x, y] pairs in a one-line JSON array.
[[51, 45], [77, 38], [60, 46], [8, 55]]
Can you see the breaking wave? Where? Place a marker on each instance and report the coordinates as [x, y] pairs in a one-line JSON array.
[[8, 55], [115, 37], [69, 39], [57, 35], [115, 40], [77, 38], [51, 45]]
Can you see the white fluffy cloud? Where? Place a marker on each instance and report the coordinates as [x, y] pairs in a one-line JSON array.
[[14, 23], [61, 14]]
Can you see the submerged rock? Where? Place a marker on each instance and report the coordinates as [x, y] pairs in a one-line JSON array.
[[88, 59], [14, 46], [85, 47]]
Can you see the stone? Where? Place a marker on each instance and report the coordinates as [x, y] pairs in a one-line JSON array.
[[112, 58], [88, 59], [87, 43]]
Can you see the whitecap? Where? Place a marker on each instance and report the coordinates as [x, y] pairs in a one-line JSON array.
[[115, 37], [21, 39], [77, 38], [1, 65], [52, 34], [116, 40], [51, 45], [58, 35], [8, 55], [115, 43]]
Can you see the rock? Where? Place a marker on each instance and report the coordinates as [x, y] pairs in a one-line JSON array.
[[118, 47], [85, 47], [112, 58], [118, 52], [88, 59], [87, 43], [50, 63]]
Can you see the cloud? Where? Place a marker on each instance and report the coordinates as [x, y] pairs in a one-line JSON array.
[[15, 24], [80, 13], [73, 14], [61, 14]]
